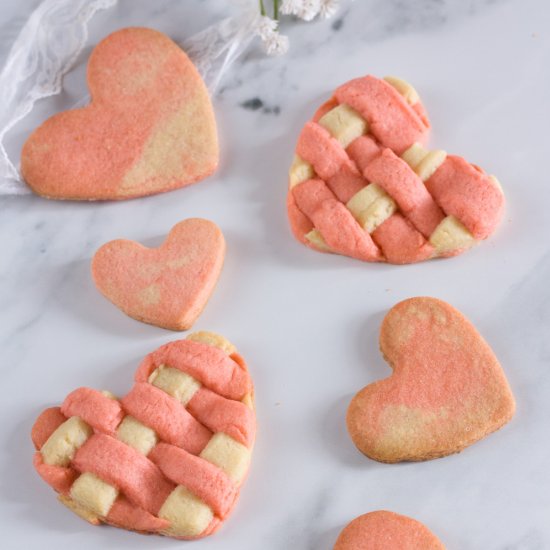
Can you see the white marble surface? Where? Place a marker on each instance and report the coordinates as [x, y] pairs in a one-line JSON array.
[[307, 323]]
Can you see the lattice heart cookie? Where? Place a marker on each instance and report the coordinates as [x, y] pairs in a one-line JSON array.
[[149, 128], [447, 390], [363, 185], [167, 458]]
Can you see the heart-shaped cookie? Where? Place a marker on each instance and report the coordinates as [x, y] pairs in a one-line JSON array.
[[166, 286], [446, 392], [384, 530], [149, 128], [363, 185], [167, 458]]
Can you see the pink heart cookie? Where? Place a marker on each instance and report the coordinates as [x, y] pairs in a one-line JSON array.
[[384, 530], [166, 286], [446, 392], [363, 185], [149, 128], [170, 456]]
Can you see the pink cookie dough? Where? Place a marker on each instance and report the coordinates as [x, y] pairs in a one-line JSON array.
[[166, 286]]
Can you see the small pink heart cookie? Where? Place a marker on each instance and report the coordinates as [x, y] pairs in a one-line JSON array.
[[149, 127], [384, 530], [166, 286]]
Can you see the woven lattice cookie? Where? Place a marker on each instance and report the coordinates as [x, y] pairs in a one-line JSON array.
[[363, 185], [170, 456]]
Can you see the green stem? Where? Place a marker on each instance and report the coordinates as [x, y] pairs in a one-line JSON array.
[[276, 10], [262, 7]]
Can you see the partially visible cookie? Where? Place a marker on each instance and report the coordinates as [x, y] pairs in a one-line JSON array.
[[384, 530], [167, 458], [362, 184], [149, 128], [446, 392], [166, 286]]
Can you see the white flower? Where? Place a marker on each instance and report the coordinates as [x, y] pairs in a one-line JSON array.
[[309, 9], [328, 8], [276, 44], [266, 27], [291, 7]]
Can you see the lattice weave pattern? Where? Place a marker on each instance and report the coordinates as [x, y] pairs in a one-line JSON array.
[[363, 185], [170, 456]]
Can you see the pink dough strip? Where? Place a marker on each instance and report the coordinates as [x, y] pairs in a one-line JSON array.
[[209, 365], [223, 415], [167, 416], [300, 224], [316, 146], [44, 426], [346, 182], [202, 478], [334, 221], [468, 194], [400, 242], [362, 150], [102, 413], [125, 468], [310, 194], [419, 109], [59, 478], [128, 516], [343, 234], [399, 181], [391, 120]]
